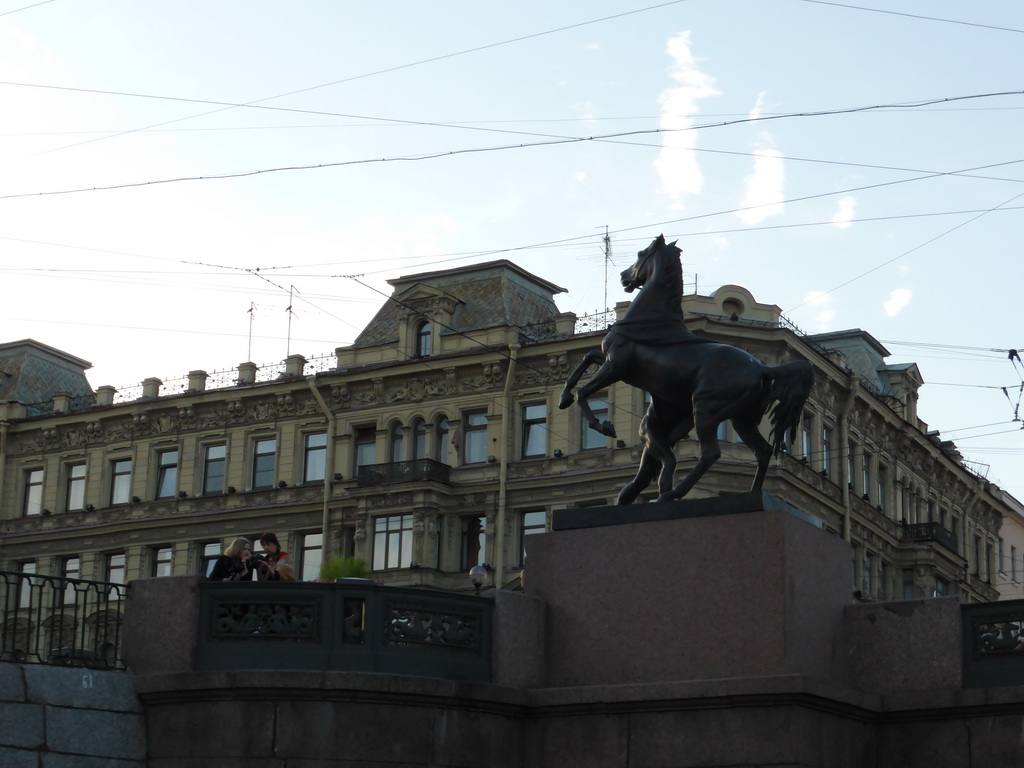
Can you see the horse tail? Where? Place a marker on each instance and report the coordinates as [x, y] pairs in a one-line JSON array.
[[789, 385]]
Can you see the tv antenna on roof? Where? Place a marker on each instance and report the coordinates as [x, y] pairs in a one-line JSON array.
[[252, 314], [607, 261], [288, 346]]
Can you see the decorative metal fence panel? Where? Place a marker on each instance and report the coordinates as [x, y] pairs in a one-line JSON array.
[[929, 532], [53, 620], [403, 472], [354, 626], [993, 643]]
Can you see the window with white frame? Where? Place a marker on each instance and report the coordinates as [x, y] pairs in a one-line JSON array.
[[167, 474], [33, 503], [120, 481], [314, 457], [264, 462], [589, 437], [473, 541], [70, 568], [530, 522], [535, 430], [424, 342], [442, 443], [75, 491], [419, 439], [161, 560], [311, 555], [826, 451], [392, 542], [209, 552], [365, 448], [27, 569], [396, 438], [116, 568], [474, 450], [214, 468]]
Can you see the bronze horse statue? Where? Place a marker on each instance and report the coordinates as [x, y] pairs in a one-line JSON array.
[[694, 383]]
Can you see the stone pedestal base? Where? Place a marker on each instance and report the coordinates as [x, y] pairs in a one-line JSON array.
[[747, 594]]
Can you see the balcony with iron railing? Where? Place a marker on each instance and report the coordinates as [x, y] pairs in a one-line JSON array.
[[929, 532], [54, 620], [418, 470]]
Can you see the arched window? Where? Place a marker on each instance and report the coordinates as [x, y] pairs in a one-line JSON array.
[[443, 446], [419, 439], [397, 440], [423, 340]]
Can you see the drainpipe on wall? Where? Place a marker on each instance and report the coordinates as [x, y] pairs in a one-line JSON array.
[[506, 451], [844, 439], [328, 549], [3, 468]]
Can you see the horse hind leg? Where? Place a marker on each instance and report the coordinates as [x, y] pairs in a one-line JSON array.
[[751, 436], [707, 434]]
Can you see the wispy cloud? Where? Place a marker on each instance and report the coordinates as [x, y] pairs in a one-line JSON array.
[[843, 217], [898, 301], [677, 164], [762, 198]]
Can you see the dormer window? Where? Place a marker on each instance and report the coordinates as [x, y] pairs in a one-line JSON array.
[[423, 339]]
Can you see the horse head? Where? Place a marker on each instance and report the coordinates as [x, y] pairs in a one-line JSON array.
[[637, 275]]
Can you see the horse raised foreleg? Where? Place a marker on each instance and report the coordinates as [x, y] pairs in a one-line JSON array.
[[594, 357], [607, 374]]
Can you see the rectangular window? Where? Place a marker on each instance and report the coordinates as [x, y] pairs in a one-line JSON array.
[[535, 430], [883, 580], [1013, 563], [882, 487], [70, 568], [365, 447], [115, 573], [121, 481], [978, 570], [929, 512], [214, 466], [908, 584], [314, 463], [264, 462], [161, 561], [475, 434], [531, 523], [865, 476], [941, 587], [591, 438], [27, 570], [76, 488], [805, 438], [868, 573], [311, 555], [826, 451], [167, 474], [474, 542], [210, 550], [392, 542], [33, 492], [851, 451]]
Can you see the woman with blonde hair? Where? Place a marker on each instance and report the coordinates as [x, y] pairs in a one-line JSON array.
[[236, 564]]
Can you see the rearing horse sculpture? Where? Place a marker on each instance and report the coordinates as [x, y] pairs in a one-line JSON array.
[[694, 383]]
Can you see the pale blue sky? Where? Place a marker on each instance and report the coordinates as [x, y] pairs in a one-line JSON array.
[[158, 279]]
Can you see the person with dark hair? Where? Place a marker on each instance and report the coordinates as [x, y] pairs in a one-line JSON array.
[[236, 564], [275, 565]]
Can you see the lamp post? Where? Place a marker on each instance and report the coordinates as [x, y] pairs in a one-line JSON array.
[[478, 577]]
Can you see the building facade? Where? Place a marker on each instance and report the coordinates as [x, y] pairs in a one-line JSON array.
[[434, 443]]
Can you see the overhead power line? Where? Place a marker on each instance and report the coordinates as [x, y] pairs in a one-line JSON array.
[[916, 16], [551, 142]]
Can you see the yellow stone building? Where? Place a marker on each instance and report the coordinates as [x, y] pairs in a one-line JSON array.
[[434, 443]]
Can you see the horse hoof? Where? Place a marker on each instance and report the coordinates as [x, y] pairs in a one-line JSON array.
[[565, 402], [608, 429]]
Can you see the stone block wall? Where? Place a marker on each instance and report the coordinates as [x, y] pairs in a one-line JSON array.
[[58, 717]]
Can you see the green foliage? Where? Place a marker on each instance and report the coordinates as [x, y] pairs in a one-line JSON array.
[[344, 568]]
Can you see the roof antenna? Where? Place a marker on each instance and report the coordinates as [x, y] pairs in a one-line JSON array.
[[252, 314], [288, 346], [607, 261]]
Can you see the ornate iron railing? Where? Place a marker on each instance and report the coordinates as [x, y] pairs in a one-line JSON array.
[[53, 620], [403, 472], [929, 532], [351, 625]]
